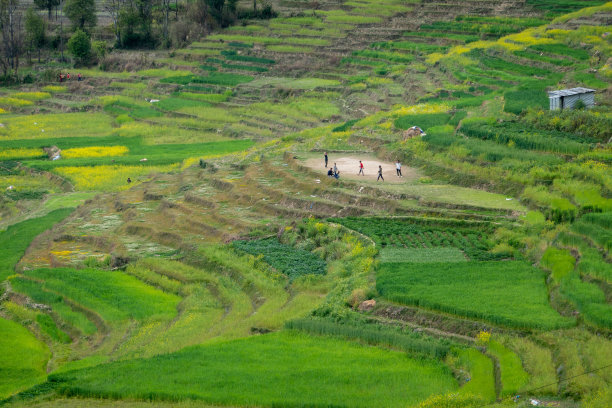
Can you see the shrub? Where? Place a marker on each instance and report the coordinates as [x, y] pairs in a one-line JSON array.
[[79, 46], [99, 49]]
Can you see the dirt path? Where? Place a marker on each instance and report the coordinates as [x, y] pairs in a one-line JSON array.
[[349, 167]]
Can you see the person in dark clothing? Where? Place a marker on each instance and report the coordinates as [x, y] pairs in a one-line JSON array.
[[326, 159], [380, 176], [129, 180], [330, 172]]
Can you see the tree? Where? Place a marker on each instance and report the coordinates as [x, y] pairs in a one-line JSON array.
[[80, 46], [231, 6], [166, 9], [136, 24], [113, 8], [12, 35], [46, 5], [82, 13], [35, 31]]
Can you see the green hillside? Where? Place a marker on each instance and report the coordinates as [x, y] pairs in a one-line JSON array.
[[169, 234]]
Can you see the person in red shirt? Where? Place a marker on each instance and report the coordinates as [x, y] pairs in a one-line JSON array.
[[360, 168]]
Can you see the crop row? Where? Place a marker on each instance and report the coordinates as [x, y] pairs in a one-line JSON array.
[[114, 294], [497, 63], [492, 26], [380, 226], [585, 123], [488, 150], [530, 139], [592, 263], [214, 78], [16, 238], [587, 297], [23, 358], [375, 335], [556, 7], [409, 234], [271, 368], [289, 260], [511, 293]]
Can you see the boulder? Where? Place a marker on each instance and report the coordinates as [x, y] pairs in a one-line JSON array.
[[413, 132], [367, 305], [53, 152]]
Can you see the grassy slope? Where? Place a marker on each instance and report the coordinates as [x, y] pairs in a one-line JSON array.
[[23, 358], [508, 293], [17, 238], [284, 368], [242, 299]]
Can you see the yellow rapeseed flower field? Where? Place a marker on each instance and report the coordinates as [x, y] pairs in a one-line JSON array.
[[14, 102], [55, 125], [421, 108], [54, 88], [109, 178], [94, 151], [20, 153], [32, 96]]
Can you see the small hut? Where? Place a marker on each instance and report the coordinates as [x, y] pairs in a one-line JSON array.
[[568, 98]]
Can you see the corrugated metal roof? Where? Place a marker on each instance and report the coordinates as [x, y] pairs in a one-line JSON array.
[[568, 92]]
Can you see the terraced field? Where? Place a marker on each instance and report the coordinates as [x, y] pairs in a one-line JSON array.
[[166, 238]]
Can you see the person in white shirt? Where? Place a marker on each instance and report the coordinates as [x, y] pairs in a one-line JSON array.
[[398, 168]]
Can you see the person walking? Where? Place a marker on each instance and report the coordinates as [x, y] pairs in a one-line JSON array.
[[360, 168], [325, 159], [380, 176], [398, 168]]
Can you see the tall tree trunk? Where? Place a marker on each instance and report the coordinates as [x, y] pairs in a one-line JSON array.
[[254, 6], [166, 21]]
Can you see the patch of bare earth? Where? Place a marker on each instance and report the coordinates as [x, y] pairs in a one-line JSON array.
[[348, 166]]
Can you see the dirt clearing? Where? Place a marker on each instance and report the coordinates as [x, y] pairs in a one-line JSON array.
[[349, 168]]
